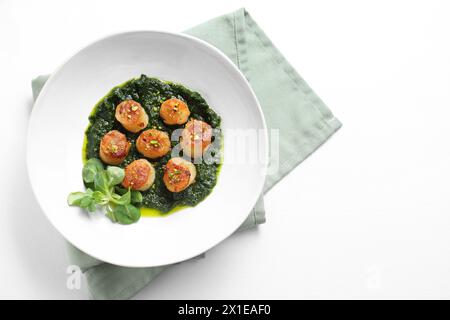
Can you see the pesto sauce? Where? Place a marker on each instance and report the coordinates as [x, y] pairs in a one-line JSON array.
[[150, 93]]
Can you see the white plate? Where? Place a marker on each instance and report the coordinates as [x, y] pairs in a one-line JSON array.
[[60, 117]]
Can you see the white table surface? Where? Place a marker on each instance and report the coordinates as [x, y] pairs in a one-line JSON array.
[[366, 216]]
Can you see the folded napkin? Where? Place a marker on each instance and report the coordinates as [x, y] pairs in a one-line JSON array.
[[303, 122]]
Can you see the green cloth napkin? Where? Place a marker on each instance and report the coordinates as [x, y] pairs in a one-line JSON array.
[[290, 106]]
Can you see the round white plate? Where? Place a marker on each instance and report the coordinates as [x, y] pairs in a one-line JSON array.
[[60, 117]]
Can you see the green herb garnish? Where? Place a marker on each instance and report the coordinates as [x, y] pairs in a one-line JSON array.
[[154, 143], [103, 192]]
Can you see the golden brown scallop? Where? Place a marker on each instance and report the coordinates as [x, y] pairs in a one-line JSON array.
[[139, 175], [131, 115], [196, 138], [174, 111], [179, 174], [114, 147], [153, 143]]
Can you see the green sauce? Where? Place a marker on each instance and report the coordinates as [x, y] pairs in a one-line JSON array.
[[150, 93]]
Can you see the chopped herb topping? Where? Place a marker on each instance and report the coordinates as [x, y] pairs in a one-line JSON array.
[[154, 143]]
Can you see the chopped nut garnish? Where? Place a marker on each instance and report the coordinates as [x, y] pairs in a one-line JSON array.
[[174, 175]]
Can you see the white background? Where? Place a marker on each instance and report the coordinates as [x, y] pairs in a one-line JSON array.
[[366, 216]]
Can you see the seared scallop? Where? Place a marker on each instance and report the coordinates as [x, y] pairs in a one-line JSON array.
[[114, 147], [179, 174], [131, 115], [174, 111], [153, 143], [139, 175], [196, 138]]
